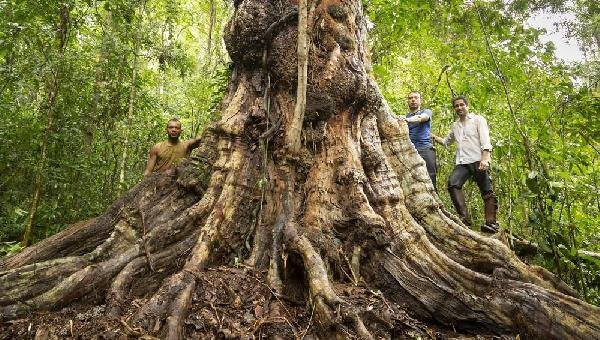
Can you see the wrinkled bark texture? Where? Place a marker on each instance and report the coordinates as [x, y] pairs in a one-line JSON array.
[[354, 206]]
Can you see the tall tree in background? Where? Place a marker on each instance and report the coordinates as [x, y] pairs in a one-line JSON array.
[[54, 59], [132, 93], [352, 201]]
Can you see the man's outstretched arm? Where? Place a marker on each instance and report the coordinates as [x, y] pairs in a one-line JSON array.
[[192, 144], [444, 141], [422, 117]]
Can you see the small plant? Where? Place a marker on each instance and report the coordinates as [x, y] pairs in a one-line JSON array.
[[9, 248]]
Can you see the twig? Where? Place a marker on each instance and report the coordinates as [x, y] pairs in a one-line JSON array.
[[277, 296], [220, 320], [129, 330], [310, 320], [354, 277]]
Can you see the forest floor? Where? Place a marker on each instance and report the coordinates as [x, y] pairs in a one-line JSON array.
[[229, 303]]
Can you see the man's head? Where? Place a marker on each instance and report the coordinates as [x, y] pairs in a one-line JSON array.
[[414, 101], [460, 105], [173, 129]]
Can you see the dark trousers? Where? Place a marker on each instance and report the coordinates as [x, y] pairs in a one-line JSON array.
[[428, 156], [462, 172]]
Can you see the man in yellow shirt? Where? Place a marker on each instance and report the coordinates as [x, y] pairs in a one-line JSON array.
[[167, 155]]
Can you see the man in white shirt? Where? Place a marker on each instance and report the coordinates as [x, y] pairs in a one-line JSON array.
[[473, 148]]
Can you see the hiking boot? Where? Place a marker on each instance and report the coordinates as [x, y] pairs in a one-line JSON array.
[[458, 199], [490, 208], [490, 228]]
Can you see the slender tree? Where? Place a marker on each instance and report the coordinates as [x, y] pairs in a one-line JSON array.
[[49, 106], [132, 95], [212, 17]]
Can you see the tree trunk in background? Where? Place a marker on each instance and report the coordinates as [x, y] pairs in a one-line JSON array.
[[211, 26], [52, 86], [99, 78], [132, 95], [350, 206]]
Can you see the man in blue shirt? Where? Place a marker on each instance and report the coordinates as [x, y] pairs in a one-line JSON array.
[[419, 130]]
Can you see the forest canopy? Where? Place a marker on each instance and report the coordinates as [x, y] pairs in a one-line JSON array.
[[87, 87]]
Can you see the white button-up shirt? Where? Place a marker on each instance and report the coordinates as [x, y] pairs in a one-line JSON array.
[[471, 136]]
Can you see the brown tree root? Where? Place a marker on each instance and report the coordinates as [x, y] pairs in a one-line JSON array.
[[500, 305], [168, 305], [118, 292], [77, 284]]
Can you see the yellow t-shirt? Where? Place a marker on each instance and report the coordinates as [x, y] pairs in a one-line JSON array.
[[169, 156]]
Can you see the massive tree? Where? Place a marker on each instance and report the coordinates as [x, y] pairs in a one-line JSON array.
[[325, 196]]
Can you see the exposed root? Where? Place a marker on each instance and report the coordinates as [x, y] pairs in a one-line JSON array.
[[68, 241], [179, 309], [318, 280], [172, 300], [153, 313], [283, 218], [275, 264], [325, 314], [76, 285], [21, 284], [361, 330], [118, 289]]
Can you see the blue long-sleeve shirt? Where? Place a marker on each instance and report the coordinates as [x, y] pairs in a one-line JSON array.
[[420, 133]]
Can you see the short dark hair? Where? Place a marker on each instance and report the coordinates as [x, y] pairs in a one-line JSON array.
[[464, 99], [173, 120]]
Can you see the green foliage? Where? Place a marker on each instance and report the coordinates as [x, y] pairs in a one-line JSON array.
[[93, 74], [9, 248]]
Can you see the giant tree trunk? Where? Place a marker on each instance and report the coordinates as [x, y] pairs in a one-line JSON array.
[[354, 204]]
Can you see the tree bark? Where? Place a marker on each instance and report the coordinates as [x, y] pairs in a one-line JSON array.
[[356, 198]]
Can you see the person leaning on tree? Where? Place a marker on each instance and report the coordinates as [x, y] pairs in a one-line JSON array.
[[167, 154], [473, 155], [419, 130]]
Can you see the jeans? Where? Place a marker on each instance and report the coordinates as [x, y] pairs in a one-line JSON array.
[[428, 156], [462, 172]]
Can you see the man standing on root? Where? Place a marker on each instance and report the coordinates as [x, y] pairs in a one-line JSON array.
[[167, 155], [473, 155], [419, 130]]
